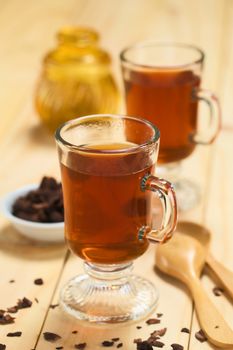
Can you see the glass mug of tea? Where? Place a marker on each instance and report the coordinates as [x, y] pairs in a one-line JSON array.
[[162, 84], [107, 162]]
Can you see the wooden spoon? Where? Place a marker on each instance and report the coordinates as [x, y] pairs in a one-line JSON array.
[[183, 257], [203, 235]]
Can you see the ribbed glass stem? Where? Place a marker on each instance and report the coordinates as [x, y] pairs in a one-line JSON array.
[[108, 272]]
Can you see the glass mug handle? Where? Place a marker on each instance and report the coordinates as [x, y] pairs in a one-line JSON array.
[[207, 137], [167, 196]]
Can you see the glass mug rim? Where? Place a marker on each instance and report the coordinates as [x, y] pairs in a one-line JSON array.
[[80, 120], [156, 44]]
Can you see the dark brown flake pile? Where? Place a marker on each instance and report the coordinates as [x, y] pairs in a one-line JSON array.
[[44, 204], [2, 346], [154, 338], [5, 318]]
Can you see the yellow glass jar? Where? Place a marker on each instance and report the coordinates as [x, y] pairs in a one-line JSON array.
[[76, 79]]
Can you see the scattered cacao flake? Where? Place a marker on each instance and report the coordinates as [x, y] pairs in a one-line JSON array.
[[144, 346], [36, 300], [185, 330], [158, 344], [24, 303], [152, 340], [2, 312], [139, 327], [52, 337], [159, 332], [115, 339], [2, 346], [74, 332], [53, 306], [12, 281], [177, 346], [137, 340], [107, 343], [159, 315], [80, 346], [153, 321], [119, 345], [200, 336], [6, 319], [216, 327], [218, 291], [14, 334], [38, 281], [59, 347], [12, 309], [9, 319]]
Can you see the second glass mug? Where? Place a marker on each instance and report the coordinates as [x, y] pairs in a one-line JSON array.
[[107, 162], [162, 84]]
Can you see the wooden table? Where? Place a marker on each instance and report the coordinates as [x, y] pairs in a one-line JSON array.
[[27, 153]]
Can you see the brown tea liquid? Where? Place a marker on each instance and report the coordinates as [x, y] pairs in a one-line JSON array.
[[166, 99], [104, 204]]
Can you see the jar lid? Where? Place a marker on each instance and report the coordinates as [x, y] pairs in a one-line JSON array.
[[77, 45], [80, 36]]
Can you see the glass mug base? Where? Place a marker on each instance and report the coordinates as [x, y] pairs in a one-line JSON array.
[[109, 294]]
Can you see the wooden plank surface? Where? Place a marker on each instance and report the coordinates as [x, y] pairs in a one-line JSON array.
[[27, 152], [218, 219]]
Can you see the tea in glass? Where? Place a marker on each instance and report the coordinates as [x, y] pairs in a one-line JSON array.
[[107, 165], [163, 84]]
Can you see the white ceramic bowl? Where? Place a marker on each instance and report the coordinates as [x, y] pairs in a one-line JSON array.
[[50, 232]]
